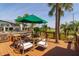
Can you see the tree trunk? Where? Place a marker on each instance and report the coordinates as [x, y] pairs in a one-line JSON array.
[[65, 32], [57, 23]]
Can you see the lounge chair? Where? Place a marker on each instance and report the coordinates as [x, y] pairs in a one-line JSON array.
[[25, 45], [42, 43]]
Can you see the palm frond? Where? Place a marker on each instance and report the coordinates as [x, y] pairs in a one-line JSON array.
[[51, 4], [52, 11], [61, 13], [68, 6]]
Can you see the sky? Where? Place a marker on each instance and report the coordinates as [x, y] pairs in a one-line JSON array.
[[10, 11]]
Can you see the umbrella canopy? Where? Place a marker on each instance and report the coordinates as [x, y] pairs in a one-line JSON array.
[[31, 19]]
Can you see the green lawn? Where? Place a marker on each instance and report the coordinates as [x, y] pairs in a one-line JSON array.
[[51, 34]]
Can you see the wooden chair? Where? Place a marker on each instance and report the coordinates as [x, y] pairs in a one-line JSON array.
[[3, 37]]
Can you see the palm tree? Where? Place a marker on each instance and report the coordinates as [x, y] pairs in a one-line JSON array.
[[75, 27], [44, 27], [58, 9], [64, 27], [75, 24]]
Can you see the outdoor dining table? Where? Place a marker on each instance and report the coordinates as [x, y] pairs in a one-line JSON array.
[[19, 35], [16, 37]]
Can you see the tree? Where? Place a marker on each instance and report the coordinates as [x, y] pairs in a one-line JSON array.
[[18, 23], [25, 15], [74, 26], [58, 9], [37, 31], [44, 29], [64, 27], [20, 17]]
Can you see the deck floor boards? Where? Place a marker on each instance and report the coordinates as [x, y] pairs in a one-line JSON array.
[[6, 49]]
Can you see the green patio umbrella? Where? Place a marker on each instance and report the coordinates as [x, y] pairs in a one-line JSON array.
[[31, 19], [21, 19]]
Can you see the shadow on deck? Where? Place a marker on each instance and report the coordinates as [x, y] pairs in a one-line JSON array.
[[59, 51]]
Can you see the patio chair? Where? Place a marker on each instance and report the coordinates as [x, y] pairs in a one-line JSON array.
[[25, 45], [42, 43], [29, 36], [3, 37]]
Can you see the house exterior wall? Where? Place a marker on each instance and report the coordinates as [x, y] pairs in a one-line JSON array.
[[4, 25]]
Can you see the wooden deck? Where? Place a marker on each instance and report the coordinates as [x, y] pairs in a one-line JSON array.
[[61, 48]]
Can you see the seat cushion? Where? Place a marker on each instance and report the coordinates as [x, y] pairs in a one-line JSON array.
[[41, 43], [26, 45]]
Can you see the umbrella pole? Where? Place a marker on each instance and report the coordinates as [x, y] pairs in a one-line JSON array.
[[32, 36], [21, 26]]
